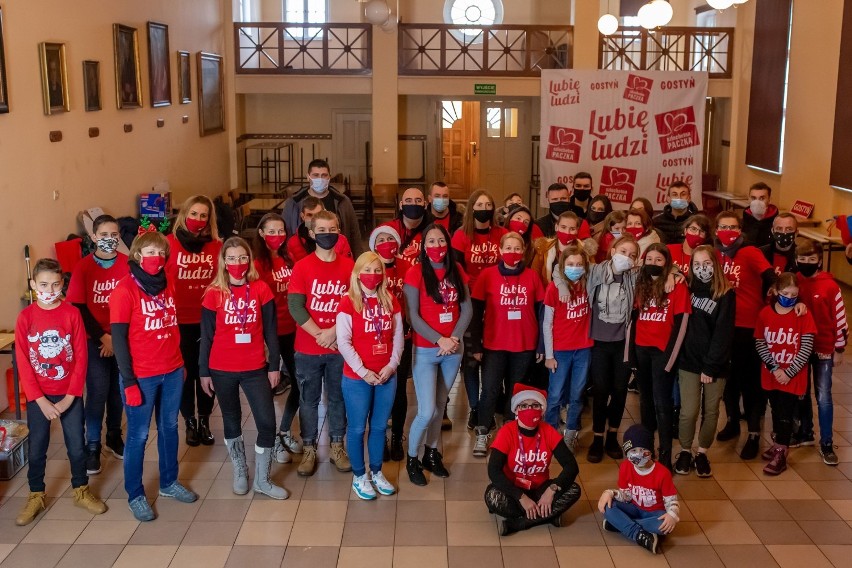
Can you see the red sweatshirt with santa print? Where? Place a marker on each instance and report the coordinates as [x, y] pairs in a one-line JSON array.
[[190, 273], [50, 346]]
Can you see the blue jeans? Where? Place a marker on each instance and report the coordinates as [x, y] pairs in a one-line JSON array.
[[567, 383], [367, 402], [72, 431], [102, 394], [312, 372], [629, 519], [820, 371], [161, 396], [431, 395]]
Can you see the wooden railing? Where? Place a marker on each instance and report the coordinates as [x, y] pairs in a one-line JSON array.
[[497, 51], [669, 49], [279, 48]]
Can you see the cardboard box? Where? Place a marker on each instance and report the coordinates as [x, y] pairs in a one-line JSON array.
[[155, 205]]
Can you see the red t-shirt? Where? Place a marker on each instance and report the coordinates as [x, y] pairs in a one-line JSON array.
[[190, 273], [323, 284], [277, 277], [479, 252], [655, 324], [680, 258], [511, 321], [238, 312], [783, 335], [396, 278], [570, 320], [745, 271], [92, 285], [50, 346], [434, 314], [648, 490], [779, 263], [153, 335], [296, 248], [531, 462], [374, 349]]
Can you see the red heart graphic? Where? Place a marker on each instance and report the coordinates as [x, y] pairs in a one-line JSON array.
[[618, 178], [675, 122], [565, 138], [640, 83]]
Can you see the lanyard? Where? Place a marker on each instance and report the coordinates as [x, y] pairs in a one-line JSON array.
[[242, 316], [161, 304], [375, 322], [523, 453]]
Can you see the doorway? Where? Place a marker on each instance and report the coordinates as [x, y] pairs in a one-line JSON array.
[[350, 145]]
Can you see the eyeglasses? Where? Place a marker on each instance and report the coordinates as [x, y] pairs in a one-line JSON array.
[[237, 259], [534, 406], [727, 228]]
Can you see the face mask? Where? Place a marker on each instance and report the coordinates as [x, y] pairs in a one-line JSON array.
[[47, 297], [727, 236], [107, 245], [757, 208], [595, 217], [680, 204], [511, 258], [703, 273], [483, 215], [638, 457], [615, 234], [621, 263], [436, 254], [518, 226], [574, 273], [808, 269], [237, 271], [635, 231], [274, 242], [694, 240], [319, 185], [582, 194], [370, 281], [783, 241], [152, 264], [557, 208], [326, 240], [440, 204], [195, 225], [413, 211], [387, 249], [565, 238], [786, 302], [530, 416], [653, 270]]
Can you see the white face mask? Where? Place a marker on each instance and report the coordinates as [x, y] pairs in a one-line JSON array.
[[319, 185], [703, 273], [47, 297], [757, 208], [621, 263]]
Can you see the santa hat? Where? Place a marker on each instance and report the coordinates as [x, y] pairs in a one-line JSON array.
[[523, 392], [384, 229]]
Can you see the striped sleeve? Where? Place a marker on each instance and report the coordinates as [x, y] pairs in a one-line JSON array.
[[806, 347], [841, 326]]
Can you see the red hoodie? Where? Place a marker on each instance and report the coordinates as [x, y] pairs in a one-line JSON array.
[[821, 294]]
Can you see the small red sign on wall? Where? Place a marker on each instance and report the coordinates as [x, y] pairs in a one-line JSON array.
[[802, 208]]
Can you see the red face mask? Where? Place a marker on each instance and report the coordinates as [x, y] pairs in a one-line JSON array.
[[152, 264], [387, 249], [694, 240], [436, 254], [530, 416], [728, 236], [370, 281], [195, 225], [635, 231], [565, 238], [518, 226], [237, 271], [274, 242], [511, 258]]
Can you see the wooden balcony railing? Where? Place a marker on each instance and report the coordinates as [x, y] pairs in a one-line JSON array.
[[669, 49], [280, 48], [498, 50]]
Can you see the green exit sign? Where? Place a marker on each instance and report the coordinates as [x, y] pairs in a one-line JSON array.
[[484, 89]]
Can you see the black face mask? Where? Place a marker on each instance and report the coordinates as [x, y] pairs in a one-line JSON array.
[[557, 208], [595, 217], [653, 269], [807, 269], [413, 211], [582, 194], [326, 240], [483, 215], [783, 241]]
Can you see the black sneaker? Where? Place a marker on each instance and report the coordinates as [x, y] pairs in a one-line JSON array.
[[702, 465], [415, 471], [751, 447], [647, 540], [729, 432], [683, 463], [596, 450], [472, 419], [115, 444], [828, 455], [802, 439], [93, 459], [612, 447]]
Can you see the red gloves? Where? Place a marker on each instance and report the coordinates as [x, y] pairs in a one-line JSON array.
[[133, 395]]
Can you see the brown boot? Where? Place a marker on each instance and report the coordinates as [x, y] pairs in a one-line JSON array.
[[84, 499], [33, 506], [339, 457], [778, 463], [309, 461]]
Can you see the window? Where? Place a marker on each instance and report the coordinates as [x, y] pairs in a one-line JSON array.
[[473, 12], [305, 12], [501, 122], [246, 11], [452, 113]]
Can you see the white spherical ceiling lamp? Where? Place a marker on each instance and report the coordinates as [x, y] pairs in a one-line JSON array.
[[663, 11], [607, 24], [720, 4], [647, 17], [376, 12]]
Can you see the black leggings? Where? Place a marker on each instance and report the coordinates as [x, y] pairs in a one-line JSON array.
[[400, 402], [783, 407], [499, 369], [291, 405], [745, 379], [499, 503], [255, 385], [609, 375], [656, 403], [190, 336]]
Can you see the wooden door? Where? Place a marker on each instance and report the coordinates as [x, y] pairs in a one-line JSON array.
[[460, 146], [506, 165], [352, 133]]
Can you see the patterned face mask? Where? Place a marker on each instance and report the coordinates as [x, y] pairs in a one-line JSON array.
[[703, 273], [107, 245]]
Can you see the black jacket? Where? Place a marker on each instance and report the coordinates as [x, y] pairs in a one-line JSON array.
[[579, 211], [758, 232], [669, 227], [709, 334], [769, 253], [547, 224]]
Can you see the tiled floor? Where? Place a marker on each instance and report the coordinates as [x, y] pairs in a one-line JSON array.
[[739, 517]]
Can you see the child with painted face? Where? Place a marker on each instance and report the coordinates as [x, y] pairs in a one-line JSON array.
[[370, 338], [238, 329], [521, 489], [784, 342], [504, 330], [645, 503], [92, 282], [50, 346], [567, 343]]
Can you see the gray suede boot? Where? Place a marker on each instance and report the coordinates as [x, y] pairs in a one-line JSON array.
[[237, 453], [262, 468]]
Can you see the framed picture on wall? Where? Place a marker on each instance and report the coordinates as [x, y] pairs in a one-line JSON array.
[[211, 93], [159, 68], [4, 96], [184, 78], [128, 81], [54, 78], [92, 85]]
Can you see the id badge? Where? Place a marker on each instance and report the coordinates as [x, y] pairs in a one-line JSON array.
[[514, 315], [445, 317], [380, 349], [523, 483], [242, 337]]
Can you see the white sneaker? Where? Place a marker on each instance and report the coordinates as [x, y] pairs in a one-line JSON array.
[[279, 451], [383, 486], [362, 487], [293, 445], [480, 448]]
